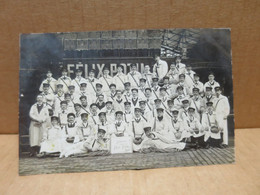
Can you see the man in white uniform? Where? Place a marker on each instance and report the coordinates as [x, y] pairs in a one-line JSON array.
[[211, 83], [222, 108], [106, 80], [51, 81], [120, 78], [134, 76], [39, 115], [180, 67], [64, 79], [78, 80], [160, 68]]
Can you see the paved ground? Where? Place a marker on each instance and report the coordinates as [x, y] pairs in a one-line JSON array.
[[31, 166]]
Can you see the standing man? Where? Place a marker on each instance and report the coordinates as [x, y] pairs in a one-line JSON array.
[[92, 82], [48, 97], [134, 76], [180, 67], [198, 84], [127, 92], [160, 68], [78, 80], [120, 78], [106, 80], [64, 79], [38, 114], [118, 102], [211, 83], [51, 81], [222, 108], [173, 74], [147, 75]]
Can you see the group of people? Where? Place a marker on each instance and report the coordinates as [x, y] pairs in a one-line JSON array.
[[161, 108]]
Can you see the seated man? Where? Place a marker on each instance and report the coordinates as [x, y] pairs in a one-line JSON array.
[[152, 142], [69, 135], [85, 135], [119, 128], [178, 129], [63, 113], [51, 139], [101, 143], [213, 126], [193, 127], [137, 129]]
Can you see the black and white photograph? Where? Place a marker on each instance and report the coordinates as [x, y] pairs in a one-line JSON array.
[[128, 99]]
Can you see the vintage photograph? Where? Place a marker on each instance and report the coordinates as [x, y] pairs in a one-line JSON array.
[[120, 100]]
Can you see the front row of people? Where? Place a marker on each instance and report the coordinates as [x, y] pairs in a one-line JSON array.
[[163, 133]]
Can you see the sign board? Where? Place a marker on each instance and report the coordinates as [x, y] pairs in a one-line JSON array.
[[121, 145], [98, 64]]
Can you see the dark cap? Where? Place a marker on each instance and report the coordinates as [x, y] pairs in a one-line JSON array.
[[175, 111], [83, 84], [208, 88], [155, 79], [45, 84], [109, 102], [101, 113], [169, 101], [149, 89], [159, 109], [102, 131], [67, 95], [127, 103], [182, 75], [71, 114], [137, 109], [134, 89], [72, 87], [142, 102], [63, 102], [166, 77], [196, 75], [142, 79], [99, 84], [191, 109], [217, 88], [118, 112], [157, 100], [84, 114], [209, 103], [112, 85], [195, 89], [83, 97], [54, 118], [185, 101], [162, 89], [180, 87], [59, 85], [127, 83], [147, 129]]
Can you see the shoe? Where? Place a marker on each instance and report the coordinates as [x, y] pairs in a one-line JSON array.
[[41, 155]]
